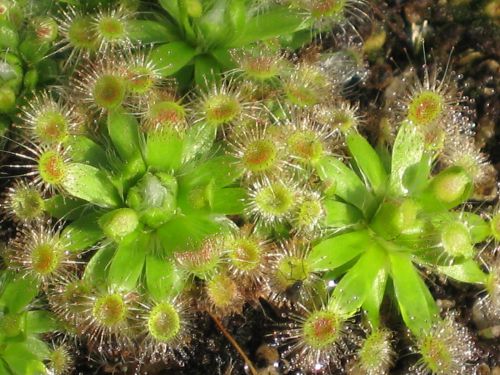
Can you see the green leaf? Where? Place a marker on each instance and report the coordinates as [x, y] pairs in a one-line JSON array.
[[235, 18], [416, 176], [123, 130], [171, 57], [479, 228], [97, 267], [84, 150], [368, 161], [91, 184], [236, 15], [338, 250], [298, 39], [206, 70], [66, 208], [339, 214], [275, 22], [224, 58], [221, 170], [83, 232], [3, 368], [212, 24], [164, 150], [171, 6], [36, 368], [408, 150], [347, 185], [19, 356], [152, 32], [412, 300], [198, 140], [183, 233], [351, 291], [375, 297], [467, 271], [229, 201], [19, 293], [184, 78], [38, 347], [39, 321], [128, 261], [433, 307], [128, 173], [9, 37], [163, 280]]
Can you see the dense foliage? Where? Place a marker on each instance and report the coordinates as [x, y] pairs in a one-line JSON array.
[[193, 160]]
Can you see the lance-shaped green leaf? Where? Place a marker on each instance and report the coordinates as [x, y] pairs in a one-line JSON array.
[[171, 57], [221, 170], [433, 307], [223, 56], [467, 271], [66, 208], [198, 140], [40, 321], [9, 35], [20, 358], [164, 150], [90, 184], [338, 250], [19, 293], [123, 130], [184, 233], [236, 17], [152, 32], [212, 23], [413, 303], [416, 176], [97, 268], [83, 232], [84, 150], [408, 150], [275, 22], [345, 183], [171, 6], [206, 70], [339, 214], [375, 297], [36, 368], [228, 201], [368, 162], [38, 348], [163, 280], [351, 291], [128, 261]]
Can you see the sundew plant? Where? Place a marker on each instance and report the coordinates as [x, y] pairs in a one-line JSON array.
[[27, 36], [201, 158]]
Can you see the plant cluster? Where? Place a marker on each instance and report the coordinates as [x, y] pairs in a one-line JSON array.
[[140, 205], [22, 323], [26, 37]]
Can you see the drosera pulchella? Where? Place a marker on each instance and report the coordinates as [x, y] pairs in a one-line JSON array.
[[40, 251]]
